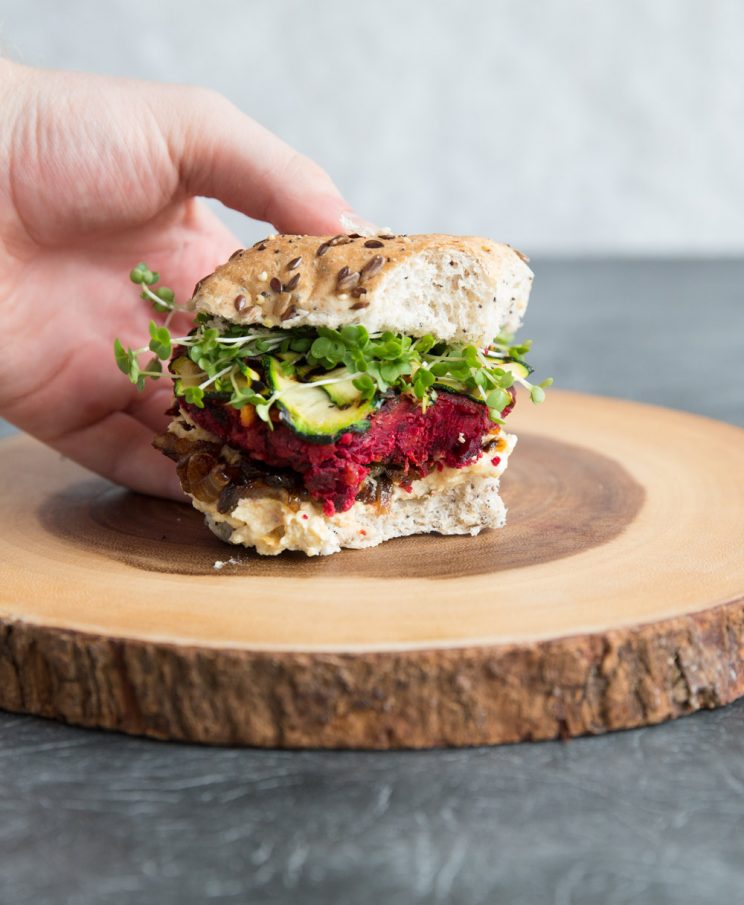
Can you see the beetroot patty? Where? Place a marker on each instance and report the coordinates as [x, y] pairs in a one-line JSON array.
[[400, 436]]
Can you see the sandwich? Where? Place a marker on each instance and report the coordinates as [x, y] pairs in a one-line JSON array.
[[337, 392]]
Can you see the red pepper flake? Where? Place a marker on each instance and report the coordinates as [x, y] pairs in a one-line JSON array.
[[495, 460], [345, 439], [305, 515], [362, 531], [407, 487], [440, 466]]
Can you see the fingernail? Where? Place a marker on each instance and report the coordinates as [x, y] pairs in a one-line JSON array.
[[353, 223]]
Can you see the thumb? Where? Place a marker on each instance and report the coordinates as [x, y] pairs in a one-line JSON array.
[[222, 153]]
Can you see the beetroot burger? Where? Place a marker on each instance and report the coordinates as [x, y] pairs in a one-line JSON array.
[[339, 392]]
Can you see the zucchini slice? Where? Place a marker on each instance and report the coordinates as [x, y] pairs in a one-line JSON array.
[[309, 411], [188, 374], [517, 368], [343, 393], [455, 387]]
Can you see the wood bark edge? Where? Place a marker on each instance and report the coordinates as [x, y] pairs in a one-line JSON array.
[[584, 684]]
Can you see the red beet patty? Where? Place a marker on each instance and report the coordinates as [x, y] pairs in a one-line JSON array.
[[400, 436]]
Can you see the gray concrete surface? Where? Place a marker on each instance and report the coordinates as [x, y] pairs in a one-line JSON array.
[[652, 816], [562, 127]]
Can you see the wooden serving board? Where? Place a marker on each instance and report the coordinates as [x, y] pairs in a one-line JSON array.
[[614, 598]]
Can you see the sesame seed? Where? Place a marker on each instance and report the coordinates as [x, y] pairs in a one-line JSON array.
[[343, 295], [263, 276]]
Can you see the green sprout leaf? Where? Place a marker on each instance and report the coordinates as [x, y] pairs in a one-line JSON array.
[[423, 379], [137, 274], [123, 357], [425, 343], [498, 399], [505, 380], [165, 294], [537, 394], [154, 368], [160, 341], [194, 396]]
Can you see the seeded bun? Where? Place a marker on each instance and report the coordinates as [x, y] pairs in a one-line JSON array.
[[459, 288]]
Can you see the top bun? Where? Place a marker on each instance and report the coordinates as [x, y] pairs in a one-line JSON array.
[[458, 288]]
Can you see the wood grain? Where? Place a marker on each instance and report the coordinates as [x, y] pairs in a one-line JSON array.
[[547, 476], [614, 598]]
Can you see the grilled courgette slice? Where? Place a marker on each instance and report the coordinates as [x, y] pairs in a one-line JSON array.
[[310, 411]]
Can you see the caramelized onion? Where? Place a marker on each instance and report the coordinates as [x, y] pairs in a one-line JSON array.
[[206, 477]]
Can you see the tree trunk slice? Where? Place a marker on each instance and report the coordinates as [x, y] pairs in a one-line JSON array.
[[614, 598]]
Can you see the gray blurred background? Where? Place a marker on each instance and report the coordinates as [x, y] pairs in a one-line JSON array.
[[562, 126]]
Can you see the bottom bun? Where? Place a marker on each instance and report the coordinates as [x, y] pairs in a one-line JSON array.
[[464, 504]]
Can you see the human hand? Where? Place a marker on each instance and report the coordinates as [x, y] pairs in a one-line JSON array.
[[99, 174]]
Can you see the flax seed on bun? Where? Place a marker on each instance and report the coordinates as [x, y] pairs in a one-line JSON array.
[[458, 288]]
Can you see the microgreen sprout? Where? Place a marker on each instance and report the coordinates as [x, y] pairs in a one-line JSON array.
[[163, 298], [228, 360]]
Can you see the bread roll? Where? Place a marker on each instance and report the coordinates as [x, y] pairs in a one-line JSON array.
[[459, 288], [465, 506]]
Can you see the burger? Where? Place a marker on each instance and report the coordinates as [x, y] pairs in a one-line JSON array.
[[337, 392]]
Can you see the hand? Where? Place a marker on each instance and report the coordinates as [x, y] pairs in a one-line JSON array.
[[102, 173]]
